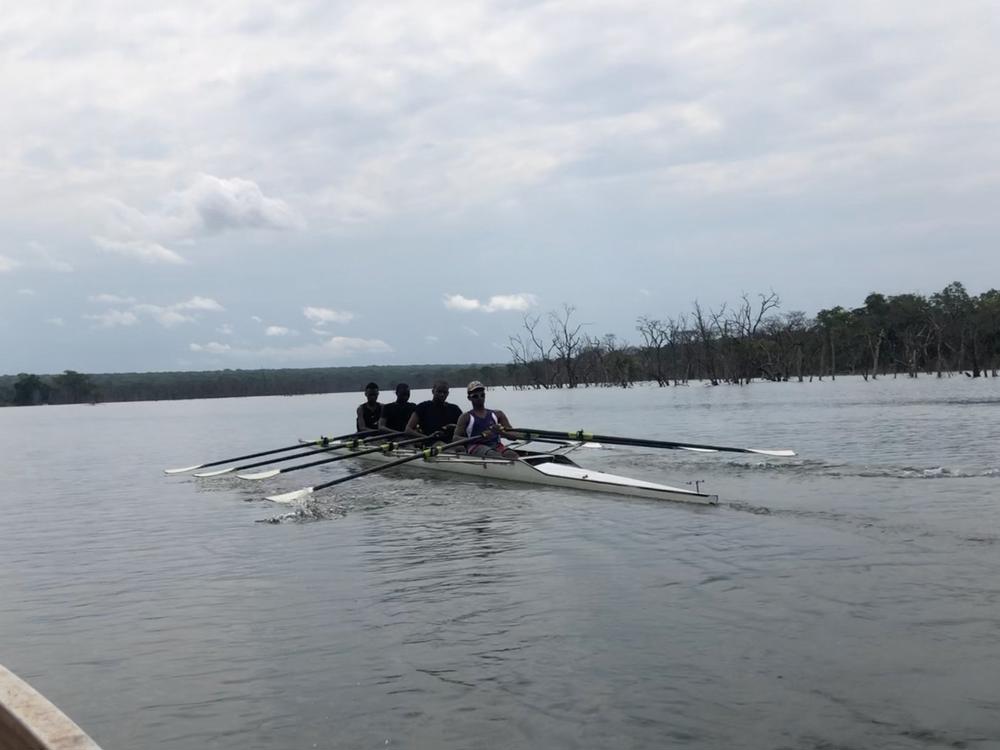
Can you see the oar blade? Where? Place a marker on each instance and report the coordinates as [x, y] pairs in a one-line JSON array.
[[698, 450], [216, 473], [776, 454], [290, 497], [260, 474], [182, 469]]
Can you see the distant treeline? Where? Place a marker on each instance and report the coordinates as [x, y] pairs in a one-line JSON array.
[[905, 334], [73, 387]]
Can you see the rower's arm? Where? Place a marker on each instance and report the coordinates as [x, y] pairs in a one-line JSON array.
[[502, 419], [462, 426], [413, 424], [360, 421]]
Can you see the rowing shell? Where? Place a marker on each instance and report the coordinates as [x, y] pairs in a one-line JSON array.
[[547, 469]]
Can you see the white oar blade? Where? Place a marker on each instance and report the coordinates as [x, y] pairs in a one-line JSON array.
[[698, 450], [181, 471], [290, 497], [778, 454], [215, 473], [261, 474]]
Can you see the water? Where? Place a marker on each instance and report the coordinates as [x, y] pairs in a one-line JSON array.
[[848, 598]]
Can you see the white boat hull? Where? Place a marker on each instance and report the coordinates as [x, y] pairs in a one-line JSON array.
[[562, 473]]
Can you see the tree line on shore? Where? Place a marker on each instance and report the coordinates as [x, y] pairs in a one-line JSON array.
[[26, 389], [905, 334]]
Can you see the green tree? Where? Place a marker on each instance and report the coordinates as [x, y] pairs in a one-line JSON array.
[[30, 390]]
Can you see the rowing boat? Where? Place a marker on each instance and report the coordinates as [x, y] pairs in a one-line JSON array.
[[28, 721], [551, 468]]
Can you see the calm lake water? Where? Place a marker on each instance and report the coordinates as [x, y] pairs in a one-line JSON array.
[[847, 598]]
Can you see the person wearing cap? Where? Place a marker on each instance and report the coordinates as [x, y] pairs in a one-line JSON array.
[[397, 414], [370, 411], [435, 414], [479, 420]]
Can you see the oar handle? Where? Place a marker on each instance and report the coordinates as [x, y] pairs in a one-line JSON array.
[[426, 453]]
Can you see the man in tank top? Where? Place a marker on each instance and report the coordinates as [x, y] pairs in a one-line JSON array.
[[370, 411], [479, 419], [397, 414]]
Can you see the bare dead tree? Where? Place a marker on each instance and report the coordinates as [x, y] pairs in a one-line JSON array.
[[566, 342], [528, 352]]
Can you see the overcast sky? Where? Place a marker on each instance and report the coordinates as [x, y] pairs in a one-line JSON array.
[[260, 184]]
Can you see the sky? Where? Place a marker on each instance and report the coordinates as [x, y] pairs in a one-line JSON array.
[[243, 184]]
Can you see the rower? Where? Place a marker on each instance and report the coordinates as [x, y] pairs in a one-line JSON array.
[[397, 414], [435, 414], [478, 420], [370, 411]]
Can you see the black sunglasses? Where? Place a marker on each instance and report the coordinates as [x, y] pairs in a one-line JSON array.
[[477, 394]]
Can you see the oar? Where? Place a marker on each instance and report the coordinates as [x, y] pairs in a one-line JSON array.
[[426, 453], [644, 443], [265, 453], [327, 446], [383, 448]]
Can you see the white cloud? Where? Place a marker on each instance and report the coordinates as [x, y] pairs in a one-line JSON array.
[[321, 315], [225, 329], [26, 292], [114, 318], [199, 303], [256, 319], [45, 260], [7, 264], [337, 347], [212, 347], [111, 299], [431, 339], [56, 321], [279, 331], [471, 331], [144, 250], [497, 303], [167, 316]]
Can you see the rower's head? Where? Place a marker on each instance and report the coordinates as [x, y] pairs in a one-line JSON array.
[[371, 393], [402, 393], [476, 392], [440, 391]]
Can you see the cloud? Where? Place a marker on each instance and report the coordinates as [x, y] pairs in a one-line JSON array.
[[200, 303], [209, 206], [26, 292], [337, 347], [111, 299], [280, 331], [114, 318], [144, 250], [471, 331], [167, 316], [45, 260], [56, 321], [497, 303], [225, 329], [212, 347], [7, 264], [214, 204], [321, 315], [431, 339]]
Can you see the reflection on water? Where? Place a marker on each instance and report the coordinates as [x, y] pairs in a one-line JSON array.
[[845, 598]]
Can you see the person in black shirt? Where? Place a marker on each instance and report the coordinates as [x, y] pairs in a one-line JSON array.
[[396, 415], [370, 411], [436, 414]]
